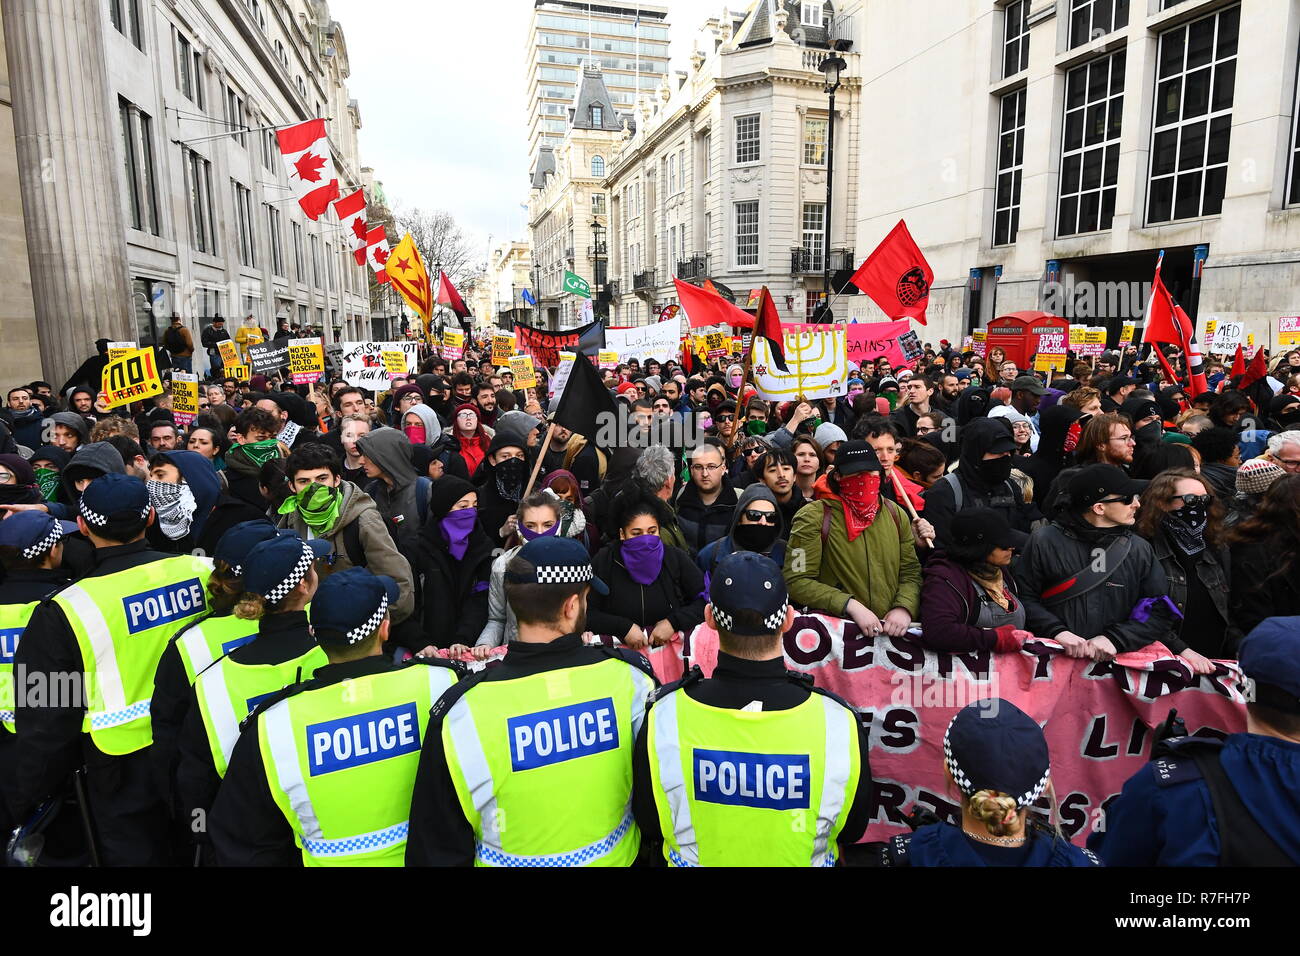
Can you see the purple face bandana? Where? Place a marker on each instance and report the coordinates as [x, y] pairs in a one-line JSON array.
[[643, 556], [456, 528], [528, 535]]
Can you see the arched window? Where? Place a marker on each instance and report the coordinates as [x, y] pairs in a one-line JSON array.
[[598, 166]]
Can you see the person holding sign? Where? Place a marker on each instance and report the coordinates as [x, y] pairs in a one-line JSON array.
[[248, 333]]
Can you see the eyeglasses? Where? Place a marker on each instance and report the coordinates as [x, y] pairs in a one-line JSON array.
[[7, 478], [1125, 439], [763, 517], [1192, 500], [1289, 462], [708, 469], [725, 418], [1118, 500]]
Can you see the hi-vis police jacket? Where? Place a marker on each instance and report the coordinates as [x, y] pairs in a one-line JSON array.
[[52, 714], [529, 762]]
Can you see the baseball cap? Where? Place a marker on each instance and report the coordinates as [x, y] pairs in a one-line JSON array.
[[233, 546], [992, 744], [1028, 383], [114, 497], [1270, 657], [350, 604], [557, 561], [1116, 382], [1095, 482], [33, 532], [745, 581], [855, 457], [986, 528], [277, 566]]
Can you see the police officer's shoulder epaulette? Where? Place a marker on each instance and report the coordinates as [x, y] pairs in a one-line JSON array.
[[265, 705], [1178, 764], [457, 666], [628, 655], [692, 676], [896, 851]]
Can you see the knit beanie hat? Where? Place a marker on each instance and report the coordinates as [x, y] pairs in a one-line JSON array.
[[1256, 476]]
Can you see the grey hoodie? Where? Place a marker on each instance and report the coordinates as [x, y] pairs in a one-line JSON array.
[[432, 427], [391, 451], [90, 461], [74, 421], [715, 551]]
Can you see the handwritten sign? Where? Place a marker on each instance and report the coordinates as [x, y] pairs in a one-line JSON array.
[[1227, 336], [364, 366], [306, 360], [659, 341], [521, 367]]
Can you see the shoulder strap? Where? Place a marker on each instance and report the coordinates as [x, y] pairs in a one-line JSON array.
[[352, 544], [955, 484], [1088, 578], [1242, 841], [826, 523]]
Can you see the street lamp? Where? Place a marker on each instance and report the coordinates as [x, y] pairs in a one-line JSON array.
[[831, 67], [598, 280]]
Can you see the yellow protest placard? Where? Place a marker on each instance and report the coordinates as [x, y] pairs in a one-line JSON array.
[[1126, 333], [229, 352], [1210, 326], [130, 378], [185, 397], [240, 373], [117, 349], [503, 345], [1078, 334], [306, 360], [607, 359], [521, 366], [394, 362], [453, 344], [716, 345]]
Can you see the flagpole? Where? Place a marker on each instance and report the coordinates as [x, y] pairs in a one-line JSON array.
[[537, 465]]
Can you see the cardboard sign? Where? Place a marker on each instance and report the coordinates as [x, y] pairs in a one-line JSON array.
[[363, 363], [1077, 334], [715, 345], [240, 373], [910, 345], [185, 398], [268, 357], [1227, 336], [607, 359], [453, 344], [1288, 330], [229, 352], [130, 378], [306, 360], [118, 349], [1051, 352], [1126, 333], [521, 366], [503, 346], [394, 360]]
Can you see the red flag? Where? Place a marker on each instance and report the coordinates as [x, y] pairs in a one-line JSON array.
[[306, 151], [1257, 369], [448, 296], [708, 308], [897, 277], [1167, 322], [1238, 363], [768, 325], [351, 211], [377, 253]]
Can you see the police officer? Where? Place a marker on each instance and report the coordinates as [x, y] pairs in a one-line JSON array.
[[1234, 802], [205, 640], [323, 771], [529, 762], [31, 552], [754, 766], [88, 656], [279, 581]]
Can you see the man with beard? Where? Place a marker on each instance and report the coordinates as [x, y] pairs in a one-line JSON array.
[[950, 389], [507, 716], [982, 480], [23, 417], [503, 475]]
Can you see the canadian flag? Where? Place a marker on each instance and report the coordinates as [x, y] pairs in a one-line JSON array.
[[306, 152], [351, 211], [377, 253]]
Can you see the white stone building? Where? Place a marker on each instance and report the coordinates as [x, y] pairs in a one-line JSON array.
[[1076, 138], [724, 177]]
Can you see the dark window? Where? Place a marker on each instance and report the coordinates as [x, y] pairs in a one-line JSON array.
[[1011, 156], [1094, 112]]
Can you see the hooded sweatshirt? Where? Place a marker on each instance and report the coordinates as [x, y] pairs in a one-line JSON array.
[[1054, 451], [715, 551], [74, 421], [204, 484], [394, 493], [428, 417], [91, 461]]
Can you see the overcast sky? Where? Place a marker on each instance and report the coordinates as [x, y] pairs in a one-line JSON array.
[[441, 87]]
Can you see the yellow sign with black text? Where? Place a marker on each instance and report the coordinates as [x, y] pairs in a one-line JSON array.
[[131, 378]]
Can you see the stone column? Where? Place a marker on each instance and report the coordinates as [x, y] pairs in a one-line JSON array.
[[68, 160]]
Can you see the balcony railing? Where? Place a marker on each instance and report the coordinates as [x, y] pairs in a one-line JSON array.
[[600, 249], [809, 261], [696, 267], [643, 280]]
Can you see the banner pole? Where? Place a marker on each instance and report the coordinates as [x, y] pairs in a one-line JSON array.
[[537, 465]]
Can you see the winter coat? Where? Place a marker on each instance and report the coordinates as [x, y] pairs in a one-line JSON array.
[[702, 524], [715, 551], [1214, 569], [1264, 580], [950, 606], [675, 595], [455, 592], [389, 450]]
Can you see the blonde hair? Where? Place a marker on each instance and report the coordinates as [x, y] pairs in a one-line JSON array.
[[250, 606], [995, 810]]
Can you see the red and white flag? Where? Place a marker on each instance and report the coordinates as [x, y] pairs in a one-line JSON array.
[[377, 253], [306, 152], [351, 211]]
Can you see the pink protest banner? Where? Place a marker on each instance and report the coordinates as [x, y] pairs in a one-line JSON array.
[[868, 341]]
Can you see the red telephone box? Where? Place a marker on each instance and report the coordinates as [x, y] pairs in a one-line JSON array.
[[1018, 333]]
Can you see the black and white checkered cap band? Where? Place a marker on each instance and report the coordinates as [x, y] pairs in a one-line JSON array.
[[368, 628], [47, 542], [564, 573], [771, 622], [99, 520], [967, 787], [277, 593]]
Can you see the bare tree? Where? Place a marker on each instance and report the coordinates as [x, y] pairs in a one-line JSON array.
[[441, 242]]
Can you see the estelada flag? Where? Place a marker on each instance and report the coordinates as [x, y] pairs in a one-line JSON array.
[[406, 271], [306, 151], [768, 324], [896, 276], [448, 296], [708, 308]]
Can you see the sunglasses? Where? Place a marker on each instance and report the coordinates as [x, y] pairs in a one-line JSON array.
[[725, 418], [764, 517], [1192, 500], [1118, 500]]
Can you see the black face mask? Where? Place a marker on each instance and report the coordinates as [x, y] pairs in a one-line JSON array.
[[1152, 432], [994, 471], [756, 537], [511, 475]]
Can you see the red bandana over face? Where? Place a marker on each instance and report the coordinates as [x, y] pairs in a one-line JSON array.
[[860, 495]]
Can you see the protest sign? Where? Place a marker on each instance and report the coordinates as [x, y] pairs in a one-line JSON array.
[[607, 358], [503, 346], [561, 376], [1126, 333], [269, 357], [306, 360], [394, 359], [229, 352], [131, 377], [185, 398], [545, 346], [868, 341], [1211, 324], [363, 363], [1288, 330], [1227, 336], [521, 367], [1098, 717], [240, 373], [1077, 333], [980, 342], [658, 341], [910, 345], [1094, 341], [118, 349], [815, 355], [453, 344], [716, 345]]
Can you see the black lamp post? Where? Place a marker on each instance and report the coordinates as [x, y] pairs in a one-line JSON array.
[[597, 246], [832, 67]]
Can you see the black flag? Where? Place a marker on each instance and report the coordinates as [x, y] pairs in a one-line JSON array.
[[584, 401]]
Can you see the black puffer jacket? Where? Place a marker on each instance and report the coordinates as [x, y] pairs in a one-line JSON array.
[[455, 592], [676, 595], [702, 524]]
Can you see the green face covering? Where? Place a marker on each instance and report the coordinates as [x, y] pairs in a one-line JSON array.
[[318, 505], [48, 481], [756, 428], [260, 452]]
